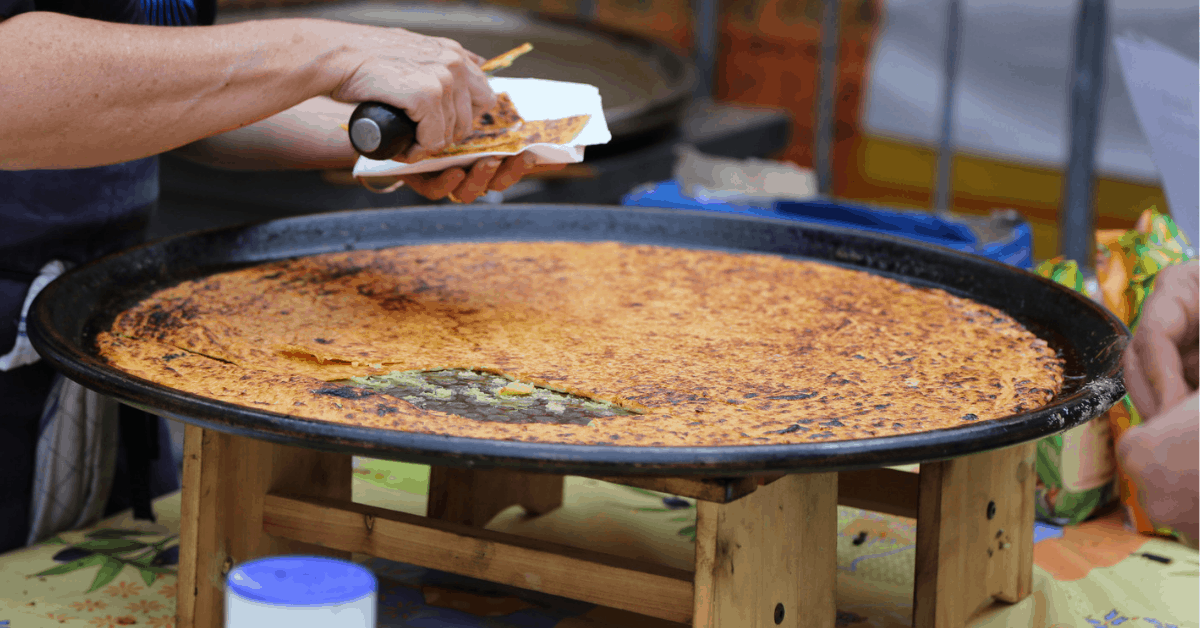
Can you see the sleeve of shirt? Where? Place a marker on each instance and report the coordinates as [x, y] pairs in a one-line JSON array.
[[9, 8]]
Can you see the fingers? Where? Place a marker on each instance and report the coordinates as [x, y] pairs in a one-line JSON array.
[[1153, 373], [464, 117], [1163, 368], [491, 173], [464, 88], [470, 79], [518, 167], [1161, 364], [454, 46], [476, 59], [426, 107], [482, 96], [463, 186], [512, 170], [1136, 384], [477, 180], [461, 89], [500, 176], [435, 186], [1160, 458]]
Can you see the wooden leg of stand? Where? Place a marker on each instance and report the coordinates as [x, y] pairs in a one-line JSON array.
[[974, 535], [769, 558], [225, 480], [473, 497]]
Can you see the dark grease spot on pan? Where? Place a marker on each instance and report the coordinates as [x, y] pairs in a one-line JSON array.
[[344, 392], [796, 397], [791, 429]]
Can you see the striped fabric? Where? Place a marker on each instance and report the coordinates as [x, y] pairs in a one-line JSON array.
[[169, 12], [77, 441], [76, 459]]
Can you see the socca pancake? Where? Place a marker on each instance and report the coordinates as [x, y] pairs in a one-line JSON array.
[[708, 348], [505, 60], [514, 140], [495, 123]]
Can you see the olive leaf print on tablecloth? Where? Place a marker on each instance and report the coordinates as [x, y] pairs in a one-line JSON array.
[[113, 549], [672, 503]]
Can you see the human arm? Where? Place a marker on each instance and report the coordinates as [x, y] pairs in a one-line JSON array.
[[310, 135], [93, 93]]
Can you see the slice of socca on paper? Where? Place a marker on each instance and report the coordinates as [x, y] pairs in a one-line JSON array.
[[512, 140], [492, 128], [553, 120]]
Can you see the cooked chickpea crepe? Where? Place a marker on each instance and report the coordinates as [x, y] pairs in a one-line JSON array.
[[702, 348]]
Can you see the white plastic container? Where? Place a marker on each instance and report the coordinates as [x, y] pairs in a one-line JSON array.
[[300, 592]]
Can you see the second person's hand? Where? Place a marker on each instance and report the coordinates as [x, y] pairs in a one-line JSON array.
[[1161, 363]]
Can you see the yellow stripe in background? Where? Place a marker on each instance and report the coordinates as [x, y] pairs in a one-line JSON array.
[[895, 173]]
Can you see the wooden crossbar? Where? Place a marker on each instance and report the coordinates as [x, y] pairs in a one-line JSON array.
[[880, 490], [552, 568], [716, 490]]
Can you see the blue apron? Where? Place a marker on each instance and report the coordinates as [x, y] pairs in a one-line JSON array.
[[76, 216]]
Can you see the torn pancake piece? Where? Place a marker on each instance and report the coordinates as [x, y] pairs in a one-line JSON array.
[[514, 140]]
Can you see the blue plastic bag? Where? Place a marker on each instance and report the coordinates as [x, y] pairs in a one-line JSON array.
[[1014, 247]]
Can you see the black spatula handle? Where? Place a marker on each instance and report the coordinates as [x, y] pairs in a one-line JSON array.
[[380, 131]]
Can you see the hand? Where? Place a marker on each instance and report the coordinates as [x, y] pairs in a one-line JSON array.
[[1162, 361], [1161, 459], [490, 173], [433, 79]]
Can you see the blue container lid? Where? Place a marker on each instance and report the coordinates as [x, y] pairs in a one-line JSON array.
[[301, 581]]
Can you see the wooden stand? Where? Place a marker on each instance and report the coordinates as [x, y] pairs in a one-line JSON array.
[[766, 548], [974, 535]]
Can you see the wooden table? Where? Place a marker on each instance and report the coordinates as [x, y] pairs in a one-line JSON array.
[[766, 548]]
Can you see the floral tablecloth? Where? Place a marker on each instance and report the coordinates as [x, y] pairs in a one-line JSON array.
[[121, 572]]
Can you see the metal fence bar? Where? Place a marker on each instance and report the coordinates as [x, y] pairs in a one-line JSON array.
[[827, 75], [1077, 216], [585, 10], [707, 32], [944, 186]]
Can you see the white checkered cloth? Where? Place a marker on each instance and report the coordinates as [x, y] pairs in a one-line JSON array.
[[77, 443], [76, 460], [22, 352]]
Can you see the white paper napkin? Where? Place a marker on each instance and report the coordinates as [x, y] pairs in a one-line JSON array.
[[535, 99], [1162, 86]]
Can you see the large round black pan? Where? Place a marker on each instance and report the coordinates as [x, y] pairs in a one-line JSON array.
[[67, 315]]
